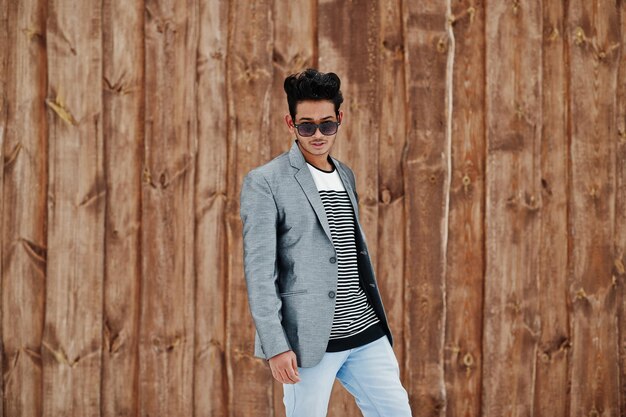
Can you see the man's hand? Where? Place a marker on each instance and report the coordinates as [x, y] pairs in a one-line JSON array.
[[284, 367]]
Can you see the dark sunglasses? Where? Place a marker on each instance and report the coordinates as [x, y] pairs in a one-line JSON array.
[[326, 128]]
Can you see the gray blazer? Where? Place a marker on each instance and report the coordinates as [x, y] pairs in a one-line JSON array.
[[290, 262]]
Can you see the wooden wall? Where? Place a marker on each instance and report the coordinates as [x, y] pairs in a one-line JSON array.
[[488, 138]]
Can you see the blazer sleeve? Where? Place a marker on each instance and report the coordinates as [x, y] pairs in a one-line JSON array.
[[259, 217]]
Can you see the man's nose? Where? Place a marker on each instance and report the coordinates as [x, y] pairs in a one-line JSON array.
[[317, 134]]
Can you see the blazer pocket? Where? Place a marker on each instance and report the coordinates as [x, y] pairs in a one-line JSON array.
[[290, 293]]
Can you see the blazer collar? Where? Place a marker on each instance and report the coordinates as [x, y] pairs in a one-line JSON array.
[[305, 179]]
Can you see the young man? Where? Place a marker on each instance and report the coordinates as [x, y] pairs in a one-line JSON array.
[[311, 287]]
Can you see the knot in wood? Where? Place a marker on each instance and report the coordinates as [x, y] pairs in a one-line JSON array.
[[621, 132], [619, 266], [442, 45], [515, 6], [594, 191], [471, 11], [386, 196], [579, 36], [468, 360], [554, 34]]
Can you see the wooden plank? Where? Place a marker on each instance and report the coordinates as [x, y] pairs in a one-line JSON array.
[[294, 49], [619, 265], [72, 340], [123, 104], [593, 45], [4, 68], [465, 259], [166, 350], [354, 56], [210, 388], [24, 186], [552, 355], [425, 172], [391, 145], [249, 74], [513, 200]]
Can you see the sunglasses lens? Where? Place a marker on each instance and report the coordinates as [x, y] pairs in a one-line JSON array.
[[307, 129], [328, 128]]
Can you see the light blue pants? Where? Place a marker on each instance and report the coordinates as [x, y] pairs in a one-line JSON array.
[[370, 373]]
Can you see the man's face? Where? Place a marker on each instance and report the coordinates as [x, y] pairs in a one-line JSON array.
[[314, 111]]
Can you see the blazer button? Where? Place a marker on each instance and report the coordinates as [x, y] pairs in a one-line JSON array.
[[333, 260], [331, 294]]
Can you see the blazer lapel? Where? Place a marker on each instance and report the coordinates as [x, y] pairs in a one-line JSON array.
[[346, 183], [305, 179]]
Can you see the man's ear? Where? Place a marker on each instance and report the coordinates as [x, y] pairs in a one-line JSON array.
[[340, 116], [289, 122]]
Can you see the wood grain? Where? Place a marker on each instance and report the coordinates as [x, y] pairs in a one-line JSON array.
[[72, 341], [619, 262], [593, 37], [23, 139], [210, 383], [167, 325], [425, 173], [4, 102], [294, 49], [512, 323], [554, 341], [488, 142], [123, 132], [249, 75], [465, 254], [391, 147]]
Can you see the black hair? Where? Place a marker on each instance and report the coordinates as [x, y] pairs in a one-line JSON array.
[[311, 84]]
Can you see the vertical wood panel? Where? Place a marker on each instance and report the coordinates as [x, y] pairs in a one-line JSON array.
[[167, 291], [293, 50], [513, 201], [72, 340], [4, 102], [593, 41], [23, 137], [552, 354], [392, 142], [354, 56], [465, 253], [210, 384], [249, 74], [619, 267], [123, 127], [425, 173]]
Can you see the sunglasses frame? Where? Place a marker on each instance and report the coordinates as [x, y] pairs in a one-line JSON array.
[[317, 126]]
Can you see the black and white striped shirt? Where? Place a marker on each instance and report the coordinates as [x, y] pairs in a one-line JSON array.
[[353, 313]]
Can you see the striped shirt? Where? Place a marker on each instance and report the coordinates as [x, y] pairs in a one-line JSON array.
[[353, 312]]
